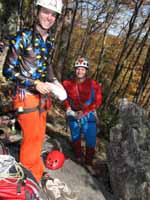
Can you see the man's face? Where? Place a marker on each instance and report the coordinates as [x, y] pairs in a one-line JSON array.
[[46, 18], [80, 72]]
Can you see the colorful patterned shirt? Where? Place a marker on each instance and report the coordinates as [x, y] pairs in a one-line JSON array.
[[28, 59]]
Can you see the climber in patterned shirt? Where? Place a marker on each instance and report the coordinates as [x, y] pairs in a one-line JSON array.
[[84, 97], [28, 65]]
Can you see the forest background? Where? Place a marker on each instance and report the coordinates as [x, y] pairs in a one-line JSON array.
[[114, 35]]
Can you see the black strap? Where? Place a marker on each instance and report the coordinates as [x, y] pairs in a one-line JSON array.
[[19, 185], [28, 110]]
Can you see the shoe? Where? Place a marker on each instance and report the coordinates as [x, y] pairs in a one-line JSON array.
[[66, 192], [55, 189], [52, 190]]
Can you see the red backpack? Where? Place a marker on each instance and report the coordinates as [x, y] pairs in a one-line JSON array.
[[16, 182]]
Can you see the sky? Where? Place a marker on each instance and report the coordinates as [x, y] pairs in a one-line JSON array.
[[121, 18]]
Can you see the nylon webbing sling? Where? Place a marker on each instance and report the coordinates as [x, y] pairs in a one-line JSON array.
[[29, 110]]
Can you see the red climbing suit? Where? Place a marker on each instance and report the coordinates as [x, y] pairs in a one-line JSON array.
[[86, 97], [79, 94]]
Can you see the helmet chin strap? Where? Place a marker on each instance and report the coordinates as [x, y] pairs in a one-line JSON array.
[[43, 32]]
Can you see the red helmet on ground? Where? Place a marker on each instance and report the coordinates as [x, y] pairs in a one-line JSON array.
[[55, 160]]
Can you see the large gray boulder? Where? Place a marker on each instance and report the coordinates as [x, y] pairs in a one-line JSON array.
[[77, 178], [129, 154]]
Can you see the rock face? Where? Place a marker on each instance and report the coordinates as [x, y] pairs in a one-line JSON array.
[[129, 154]]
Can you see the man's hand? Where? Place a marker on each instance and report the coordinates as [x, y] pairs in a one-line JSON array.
[[42, 87]]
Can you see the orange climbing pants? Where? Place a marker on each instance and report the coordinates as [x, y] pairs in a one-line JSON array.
[[33, 125]]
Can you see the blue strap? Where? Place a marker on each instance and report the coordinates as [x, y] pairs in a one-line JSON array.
[[88, 102]]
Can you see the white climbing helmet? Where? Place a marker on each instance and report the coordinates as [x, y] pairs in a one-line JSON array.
[[55, 5], [81, 62]]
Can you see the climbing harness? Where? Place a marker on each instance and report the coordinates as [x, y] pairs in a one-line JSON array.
[[42, 106]]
